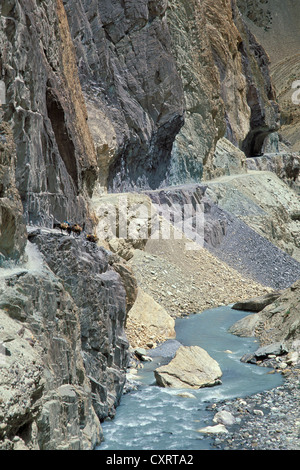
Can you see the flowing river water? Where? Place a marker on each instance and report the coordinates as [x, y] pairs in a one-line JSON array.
[[155, 418]]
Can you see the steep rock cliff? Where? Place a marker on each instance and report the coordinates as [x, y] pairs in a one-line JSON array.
[[99, 292], [45, 393], [55, 167], [129, 76], [13, 235], [126, 94], [163, 84], [63, 350], [276, 25]]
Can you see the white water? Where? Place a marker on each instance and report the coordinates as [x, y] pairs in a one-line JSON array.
[[33, 262], [155, 418]]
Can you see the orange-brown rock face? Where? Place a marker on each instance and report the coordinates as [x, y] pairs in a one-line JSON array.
[[227, 88], [162, 83]]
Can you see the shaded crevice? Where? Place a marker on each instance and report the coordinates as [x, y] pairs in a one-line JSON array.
[[64, 142], [145, 168], [253, 144]]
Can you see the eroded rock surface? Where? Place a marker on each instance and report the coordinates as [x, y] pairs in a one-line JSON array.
[[192, 368], [99, 293], [46, 395], [55, 166], [13, 236], [63, 344]]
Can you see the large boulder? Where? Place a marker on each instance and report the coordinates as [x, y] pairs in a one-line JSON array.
[[192, 367], [148, 321]]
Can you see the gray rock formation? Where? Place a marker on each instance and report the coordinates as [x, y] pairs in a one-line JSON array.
[[278, 323], [64, 353], [129, 75], [46, 394], [55, 166], [227, 236], [162, 83], [98, 291], [113, 96], [285, 165], [258, 303], [160, 87], [191, 368], [13, 236]]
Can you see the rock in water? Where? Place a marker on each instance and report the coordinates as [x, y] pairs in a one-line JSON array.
[[192, 367]]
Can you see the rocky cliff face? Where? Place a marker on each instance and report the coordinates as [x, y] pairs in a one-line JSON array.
[[55, 167], [109, 96], [275, 25], [63, 351], [162, 83], [12, 227], [132, 87]]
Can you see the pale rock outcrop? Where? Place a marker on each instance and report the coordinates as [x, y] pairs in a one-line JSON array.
[[147, 321], [228, 159], [192, 368], [124, 222], [277, 323]]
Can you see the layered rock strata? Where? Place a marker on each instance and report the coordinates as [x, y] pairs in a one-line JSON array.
[[63, 350], [13, 236], [99, 292], [164, 83], [55, 166], [46, 395]]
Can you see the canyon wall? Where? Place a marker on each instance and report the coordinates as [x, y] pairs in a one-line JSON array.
[[105, 96], [270, 21], [163, 84], [123, 95], [55, 167]]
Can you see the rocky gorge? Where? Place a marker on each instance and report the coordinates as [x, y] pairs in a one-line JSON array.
[[138, 120]]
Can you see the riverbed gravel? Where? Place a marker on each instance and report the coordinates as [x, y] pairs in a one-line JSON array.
[[265, 421], [243, 265]]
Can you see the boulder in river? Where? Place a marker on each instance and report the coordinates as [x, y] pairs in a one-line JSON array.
[[192, 367]]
